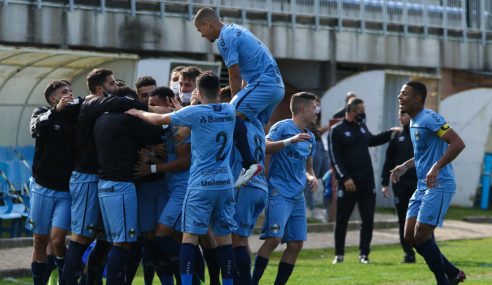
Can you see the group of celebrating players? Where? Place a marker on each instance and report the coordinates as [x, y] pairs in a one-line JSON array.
[[179, 166]]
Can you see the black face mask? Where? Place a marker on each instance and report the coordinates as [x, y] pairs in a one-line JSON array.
[[360, 118]]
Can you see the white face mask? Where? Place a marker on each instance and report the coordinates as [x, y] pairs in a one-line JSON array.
[[185, 97], [175, 88], [318, 109], [107, 95]]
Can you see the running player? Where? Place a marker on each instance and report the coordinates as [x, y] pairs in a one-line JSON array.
[[117, 138], [291, 167], [54, 130], [209, 196], [435, 145], [250, 62], [85, 211]]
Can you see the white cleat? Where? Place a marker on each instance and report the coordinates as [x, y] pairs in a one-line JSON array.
[[246, 175]]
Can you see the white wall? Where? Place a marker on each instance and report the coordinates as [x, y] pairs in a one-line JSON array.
[[469, 113]]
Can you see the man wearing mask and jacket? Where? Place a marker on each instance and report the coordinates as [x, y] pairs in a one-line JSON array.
[[349, 143]]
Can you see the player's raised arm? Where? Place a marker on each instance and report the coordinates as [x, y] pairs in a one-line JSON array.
[[151, 118], [272, 147]]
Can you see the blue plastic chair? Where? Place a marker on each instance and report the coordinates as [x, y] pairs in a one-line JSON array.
[[4, 154], [27, 152], [7, 210], [11, 155]]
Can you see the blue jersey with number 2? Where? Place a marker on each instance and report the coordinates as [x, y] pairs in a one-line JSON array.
[[212, 128]]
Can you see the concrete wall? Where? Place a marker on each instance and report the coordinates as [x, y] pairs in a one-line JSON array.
[[27, 25]]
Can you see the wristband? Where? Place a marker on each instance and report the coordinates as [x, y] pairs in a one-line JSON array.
[[153, 168], [287, 142]]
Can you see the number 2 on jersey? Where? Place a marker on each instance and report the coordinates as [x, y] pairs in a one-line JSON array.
[[220, 156]]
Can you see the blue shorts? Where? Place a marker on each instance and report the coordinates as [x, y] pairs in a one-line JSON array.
[[258, 100], [285, 219], [171, 216], [119, 208], [152, 197], [46, 212], [429, 206], [250, 202], [86, 213], [202, 207]]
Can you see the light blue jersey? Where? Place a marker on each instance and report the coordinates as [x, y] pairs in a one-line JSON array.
[[426, 130], [175, 178], [237, 45], [287, 171], [212, 128]]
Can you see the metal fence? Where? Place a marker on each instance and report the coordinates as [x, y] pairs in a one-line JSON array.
[[456, 15]]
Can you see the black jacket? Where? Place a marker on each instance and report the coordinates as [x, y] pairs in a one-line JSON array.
[[340, 113], [118, 137], [86, 158], [55, 134], [400, 149], [349, 150]]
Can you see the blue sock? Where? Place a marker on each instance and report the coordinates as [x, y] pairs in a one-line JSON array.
[[96, 260], [187, 263], [50, 266], [133, 261], [212, 257], [433, 257], [449, 268], [116, 266], [227, 264], [260, 266], [73, 262], [199, 266], [243, 265], [284, 271], [167, 268], [242, 143], [38, 270], [60, 263], [170, 247], [148, 263]]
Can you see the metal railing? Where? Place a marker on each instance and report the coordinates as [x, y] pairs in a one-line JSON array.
[[466, 16]]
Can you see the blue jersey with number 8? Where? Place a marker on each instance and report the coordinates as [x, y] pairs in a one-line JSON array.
[[212, 128]]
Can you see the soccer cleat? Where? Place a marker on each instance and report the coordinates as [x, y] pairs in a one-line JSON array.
[[246, 175], [458, 278], [408, 259], [316, 215], [364, 259], [338, 259]]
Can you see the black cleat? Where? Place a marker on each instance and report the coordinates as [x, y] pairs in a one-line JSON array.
[[408, 259], [364, 259], [458, 278], [338, 259]]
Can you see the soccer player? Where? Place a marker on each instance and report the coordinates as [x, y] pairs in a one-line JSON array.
[[187, 83], [174, 83], [117, 137], [250, 62], [435, 146], [209, 196], [144, 86], [85, 210], [54, 159], [292, 146]]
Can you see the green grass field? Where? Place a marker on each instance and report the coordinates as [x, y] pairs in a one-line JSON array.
[[314, 266]]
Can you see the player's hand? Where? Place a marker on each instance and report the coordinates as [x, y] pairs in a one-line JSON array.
[[65, 100], [182, 134], [142, 169], [160, 150], [134, 112], [195, 99], [143, 156], [174, 104], [397, 129], [313, 183], [431, 178], [386, 191], [349, 185], [302, 137], [397, 173]]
